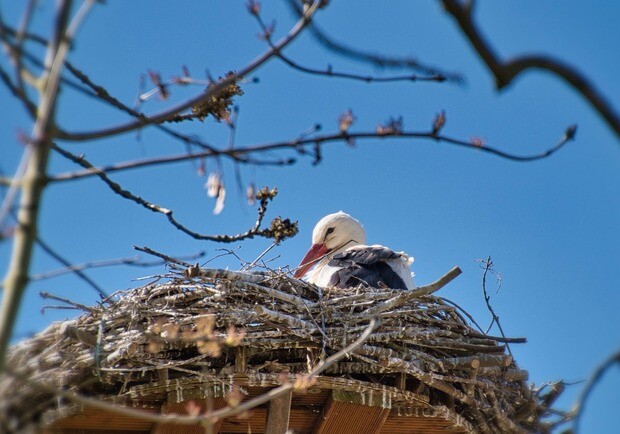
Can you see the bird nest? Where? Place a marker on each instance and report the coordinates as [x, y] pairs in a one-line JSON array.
[[204, 324]]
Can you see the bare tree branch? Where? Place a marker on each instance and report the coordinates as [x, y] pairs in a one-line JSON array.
[[289, 230], [505, 72], [329, 72], [213, 91], [596, 376], [101, 93], [298, 144]]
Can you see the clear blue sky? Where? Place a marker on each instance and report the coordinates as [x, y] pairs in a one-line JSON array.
[[551, 226]]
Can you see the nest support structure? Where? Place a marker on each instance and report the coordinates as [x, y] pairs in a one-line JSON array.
[[216, 338]]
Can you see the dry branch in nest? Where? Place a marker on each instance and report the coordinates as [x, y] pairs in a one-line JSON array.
[[207, 325]]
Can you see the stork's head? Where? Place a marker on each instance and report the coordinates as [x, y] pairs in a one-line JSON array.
[[332, 234]]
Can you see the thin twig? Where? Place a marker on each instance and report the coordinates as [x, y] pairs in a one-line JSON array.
[[464, 312], [78, 272], [263, 253], [133, 261], [163, 256], [329, 72], [488, 266], [297, 144], [417, 292], [31, 107], [47, 295], [10, 31], [255, 231]]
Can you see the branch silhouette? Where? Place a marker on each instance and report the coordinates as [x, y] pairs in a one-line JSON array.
[[506, 71], [376, 59]]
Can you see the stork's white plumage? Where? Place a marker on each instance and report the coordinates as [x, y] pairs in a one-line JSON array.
[[340, 258]]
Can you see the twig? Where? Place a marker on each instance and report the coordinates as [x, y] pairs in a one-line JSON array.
[[17, 48], [47, 295], [78, 272], [133, 261], [163, 256], [226, 252], [464, 312], [415, 293], [378, 60], [259, 257], [488, 266], [506, 72]]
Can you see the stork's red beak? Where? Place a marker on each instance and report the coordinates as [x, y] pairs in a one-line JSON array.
[[314, 254]]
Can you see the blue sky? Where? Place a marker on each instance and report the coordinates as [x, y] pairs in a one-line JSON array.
[[550, 226]]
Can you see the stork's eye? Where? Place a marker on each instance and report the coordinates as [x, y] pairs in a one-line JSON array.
[[329, 231]]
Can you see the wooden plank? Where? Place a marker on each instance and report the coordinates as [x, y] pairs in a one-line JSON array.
[[427, 420], [278, 413], [351, 413], [301, 421], [241, 360], [401, 381]]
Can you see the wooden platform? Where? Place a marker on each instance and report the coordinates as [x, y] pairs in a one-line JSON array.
[[331, 406]]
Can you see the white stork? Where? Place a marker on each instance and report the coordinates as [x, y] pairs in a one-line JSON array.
[[341, 259]]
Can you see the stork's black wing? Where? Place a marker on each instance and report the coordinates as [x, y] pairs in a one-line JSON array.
[[366, 266]]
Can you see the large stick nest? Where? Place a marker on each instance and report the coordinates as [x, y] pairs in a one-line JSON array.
[[196, 324]]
